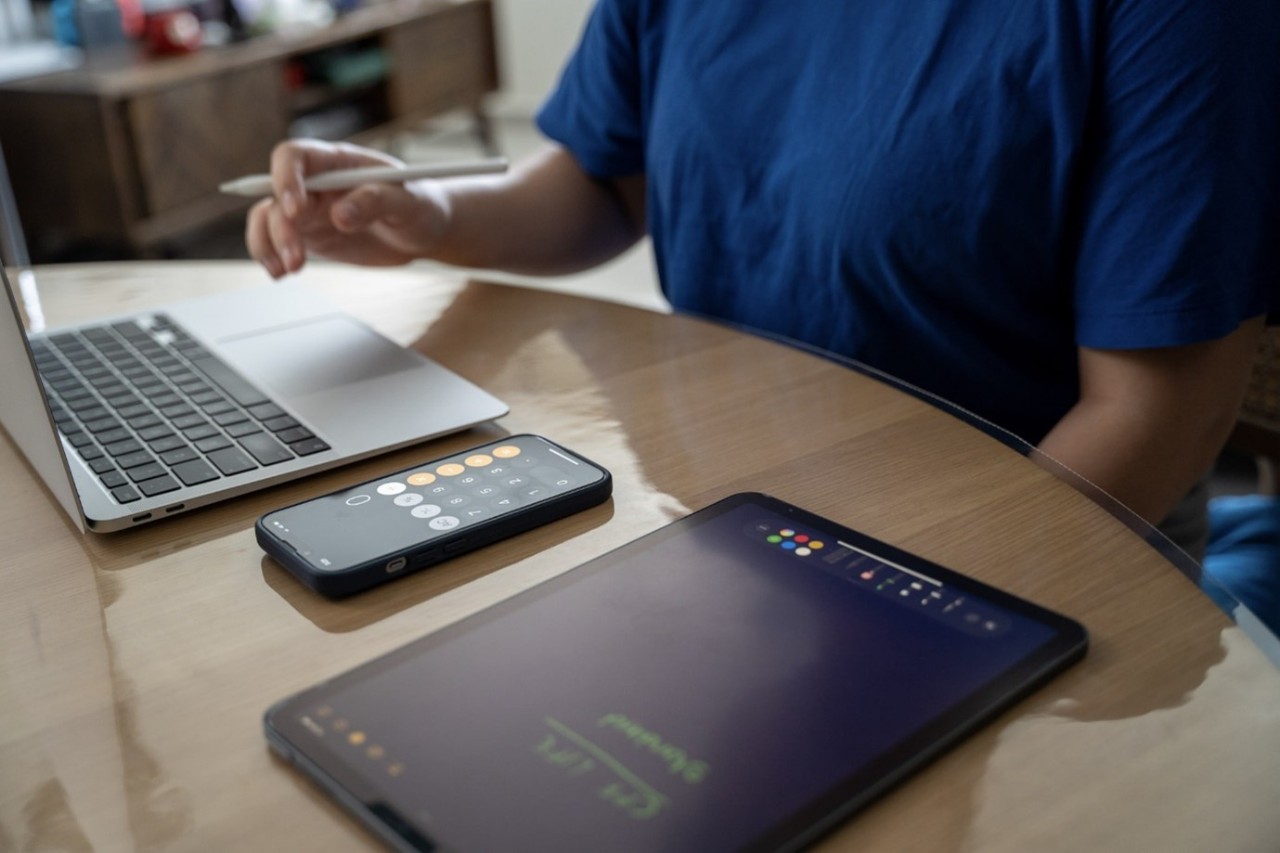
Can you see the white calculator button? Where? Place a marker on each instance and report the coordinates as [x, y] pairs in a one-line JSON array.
[[425, 511], [391, 488], [444, 522], [407, 499]]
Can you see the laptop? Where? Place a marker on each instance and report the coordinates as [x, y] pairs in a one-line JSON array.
[[139, 417]]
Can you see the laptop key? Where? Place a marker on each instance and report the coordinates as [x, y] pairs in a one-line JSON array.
[[194, 472], [242, 429], [144, 421], [232, 460], [125, 494], [218, 406], [158, 485], [196, 433], [102, 425], [213, 442], [229, 381], [79, 439], [133, 460], [101, 465], [289, 436], [146, 472], [120, 448], [307, 446], [151, 433], [266, 411], [180, 454], [112, 479], [164, 445], [282, 422], [266, 449], [111, 436]]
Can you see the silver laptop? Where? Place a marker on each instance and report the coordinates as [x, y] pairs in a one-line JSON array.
[[136, 418]]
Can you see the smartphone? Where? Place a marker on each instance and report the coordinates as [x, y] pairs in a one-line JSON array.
[[353, 539]]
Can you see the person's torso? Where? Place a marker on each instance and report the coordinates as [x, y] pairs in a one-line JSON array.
[[889, 181]]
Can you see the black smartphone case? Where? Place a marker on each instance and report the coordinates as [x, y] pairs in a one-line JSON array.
[[376, 570]]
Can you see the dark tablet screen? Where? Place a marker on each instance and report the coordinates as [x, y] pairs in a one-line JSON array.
[[738, 679]]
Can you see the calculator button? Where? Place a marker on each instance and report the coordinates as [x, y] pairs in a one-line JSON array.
[[439, 489], [425, 511], [457, 501], [391, 488], [488, 491], [516, 482], [444, 522], [506, 451], [407, 499], [478, 460], [535, 492], [472, 513], [356, 500], [421, 478], [450, 469], [505, 503]]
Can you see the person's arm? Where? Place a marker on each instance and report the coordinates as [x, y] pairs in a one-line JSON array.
[[1150, 422], [545, 217]]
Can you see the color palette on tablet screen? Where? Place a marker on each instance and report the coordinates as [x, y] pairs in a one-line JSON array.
[[800, 544]]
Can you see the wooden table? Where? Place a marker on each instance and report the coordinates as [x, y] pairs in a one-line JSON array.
[[135, 667]]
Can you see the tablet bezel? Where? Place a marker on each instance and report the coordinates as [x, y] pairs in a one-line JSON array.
[[821, 814]]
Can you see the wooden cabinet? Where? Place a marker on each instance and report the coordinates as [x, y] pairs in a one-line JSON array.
[[127, 152]]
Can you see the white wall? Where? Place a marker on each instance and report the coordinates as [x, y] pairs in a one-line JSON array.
[[535, 38]]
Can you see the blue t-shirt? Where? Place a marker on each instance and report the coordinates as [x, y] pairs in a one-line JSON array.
[[958, 193]]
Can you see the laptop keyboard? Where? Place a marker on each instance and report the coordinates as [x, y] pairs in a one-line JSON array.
[[150, 409]]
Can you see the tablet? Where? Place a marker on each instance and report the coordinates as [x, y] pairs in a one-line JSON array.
[[744, 678]]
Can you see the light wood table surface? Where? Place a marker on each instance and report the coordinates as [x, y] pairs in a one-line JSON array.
[[135, 667]]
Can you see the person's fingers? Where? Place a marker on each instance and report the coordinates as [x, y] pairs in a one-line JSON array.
[[293, 161], [285, 239], [257, 238]]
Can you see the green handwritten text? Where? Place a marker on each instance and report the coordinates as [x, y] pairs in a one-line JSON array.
[[677, 760]]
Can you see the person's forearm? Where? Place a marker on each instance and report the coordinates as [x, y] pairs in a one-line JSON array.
[[546, 217], [1150, 423], [1146, 463]]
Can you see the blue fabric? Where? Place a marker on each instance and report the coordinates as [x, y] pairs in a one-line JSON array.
[[958, 193], [1244, 554]]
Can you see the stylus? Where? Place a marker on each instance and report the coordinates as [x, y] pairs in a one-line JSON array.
[[342, 179]]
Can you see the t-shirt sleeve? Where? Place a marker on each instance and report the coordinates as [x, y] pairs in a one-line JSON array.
[[596, 109], [1179, 214]]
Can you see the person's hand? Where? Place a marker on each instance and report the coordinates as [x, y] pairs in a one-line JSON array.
[[374, 224]]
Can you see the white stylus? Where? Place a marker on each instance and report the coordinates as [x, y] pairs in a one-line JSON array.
[[342, 179]]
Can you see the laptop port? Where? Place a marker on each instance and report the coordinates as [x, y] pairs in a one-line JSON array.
[[142, 517], [174, 508], [397, 564]]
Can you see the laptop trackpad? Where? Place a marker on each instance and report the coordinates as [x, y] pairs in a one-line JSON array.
[[316, 356]]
